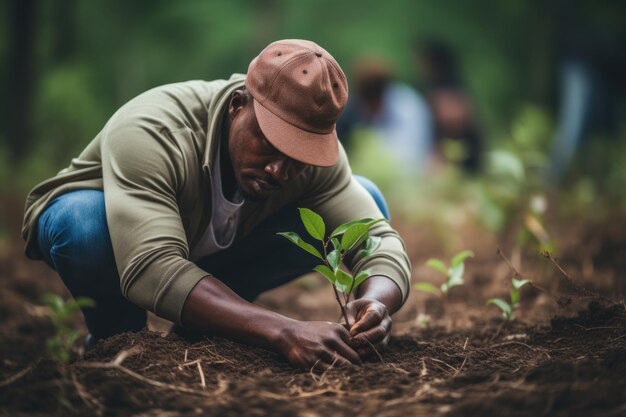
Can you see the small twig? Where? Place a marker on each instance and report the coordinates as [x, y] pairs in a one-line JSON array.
[[201, 372], [465, 345], [512, 342], [515, 271], [462, 365], [424, 371], [18, 375], [332, 365], [116, 364], [440, 361], [313, 376], [568, 278], [595, 328], [375, 351], [185, 358], [515, 342], [89, 400]]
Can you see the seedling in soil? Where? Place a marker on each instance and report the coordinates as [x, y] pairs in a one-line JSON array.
[[61, 344], [453, 273], [342, 240], [514, 295]]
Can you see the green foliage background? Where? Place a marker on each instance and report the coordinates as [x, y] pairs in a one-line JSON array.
[[91, 57]]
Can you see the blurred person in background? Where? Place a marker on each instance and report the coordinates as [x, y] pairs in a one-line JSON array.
[[452, 107], [590, 58], [394, 111]]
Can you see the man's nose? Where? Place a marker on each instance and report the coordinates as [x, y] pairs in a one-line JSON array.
[[278, 169]]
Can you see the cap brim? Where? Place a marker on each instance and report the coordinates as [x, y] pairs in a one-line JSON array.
[[307, 147]]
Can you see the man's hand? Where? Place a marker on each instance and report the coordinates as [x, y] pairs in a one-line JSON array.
[[318, 344], [371, 326]]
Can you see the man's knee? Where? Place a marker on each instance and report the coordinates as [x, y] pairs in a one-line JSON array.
[[77, 227], [376, 194]]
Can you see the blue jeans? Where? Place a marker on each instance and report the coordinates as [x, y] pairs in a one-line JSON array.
[[74, 239]]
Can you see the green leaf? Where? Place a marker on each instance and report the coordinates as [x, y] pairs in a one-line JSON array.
[[344, 281], [503, 305], [54, 302], [361, 276], [460, 257], [313, 223], [372, 243], [519, 283], [336, 244], [353, 236], [326, 273], [438, 265], [427, 287], [296, 239], [455, 276], [343, 227], [334, 259], [85, 302], [515, 296]]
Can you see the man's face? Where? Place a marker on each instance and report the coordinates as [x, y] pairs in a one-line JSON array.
[[260, 169]]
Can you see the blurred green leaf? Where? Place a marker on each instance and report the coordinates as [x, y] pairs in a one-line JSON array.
[[519, 283], [503, 305], [427, 287], [438, 265], [460, 257], [455, 276]]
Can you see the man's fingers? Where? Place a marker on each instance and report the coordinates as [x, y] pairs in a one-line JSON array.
[[374, 335], [370, 319], [343, 349]]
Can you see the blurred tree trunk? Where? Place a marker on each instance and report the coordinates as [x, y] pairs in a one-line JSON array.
[[21, 73]]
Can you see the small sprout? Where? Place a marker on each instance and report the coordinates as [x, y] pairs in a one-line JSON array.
[[514, 295], [454, 273], [342, 240], [61, 344]]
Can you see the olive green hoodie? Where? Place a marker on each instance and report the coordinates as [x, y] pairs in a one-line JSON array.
[[153, 160]]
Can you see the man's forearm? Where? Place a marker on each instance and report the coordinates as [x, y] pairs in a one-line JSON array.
[[382, 289], [213, 308]]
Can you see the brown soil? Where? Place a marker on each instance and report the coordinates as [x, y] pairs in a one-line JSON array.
[[451, 358]]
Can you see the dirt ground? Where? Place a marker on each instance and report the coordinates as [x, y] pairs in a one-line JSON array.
[[563, 355]]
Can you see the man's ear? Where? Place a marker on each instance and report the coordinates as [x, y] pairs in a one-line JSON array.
[[238, 101]]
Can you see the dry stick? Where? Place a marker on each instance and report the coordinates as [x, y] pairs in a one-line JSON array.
[[569, 279], [201, 372], [116, 364], [375, 351], [89, 400], [517, 274], [18, 375], [462, 365]]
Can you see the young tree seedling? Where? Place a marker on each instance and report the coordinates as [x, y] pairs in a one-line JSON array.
[[61, 344], [514, 295], [342, 240], [453, 273]]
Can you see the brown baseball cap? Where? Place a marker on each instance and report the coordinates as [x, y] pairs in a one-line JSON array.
[[299, 92]]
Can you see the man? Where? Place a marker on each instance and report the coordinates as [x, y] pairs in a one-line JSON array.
[[177, 202]]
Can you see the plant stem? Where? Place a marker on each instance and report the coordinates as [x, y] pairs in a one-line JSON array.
[[343, 307]]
